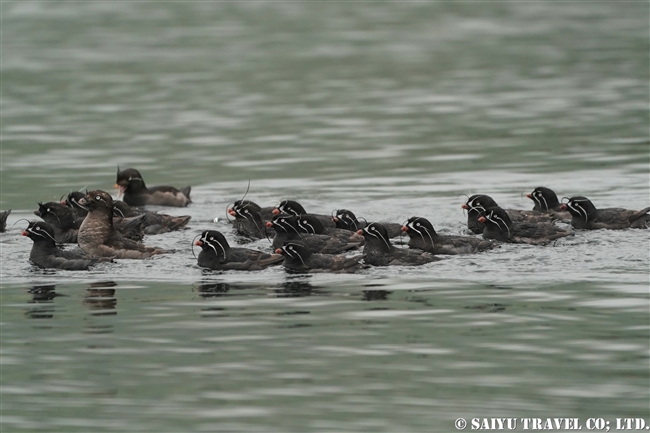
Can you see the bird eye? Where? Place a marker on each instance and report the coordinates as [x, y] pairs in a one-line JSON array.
[[417, 224], [37, 228], [346, 216], [48, 210], [98, 197], [211, 239], [282, 220], [130, 178], [304, 221]]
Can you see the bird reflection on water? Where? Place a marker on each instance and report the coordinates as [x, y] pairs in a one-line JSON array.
[[296, 289], [211, 289], [43, 295], [375, 295], [100, 298]]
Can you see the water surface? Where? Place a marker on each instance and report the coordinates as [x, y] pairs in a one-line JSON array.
[[389, 109]]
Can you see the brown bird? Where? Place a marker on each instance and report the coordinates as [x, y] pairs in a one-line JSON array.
[[98, 237], [65, 222]]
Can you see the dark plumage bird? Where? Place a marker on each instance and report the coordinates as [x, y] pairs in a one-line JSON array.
[[298, 259], [3, 220], [286, 230], [46, 254], [500, 227], [66, 222], [72, 201], [585, 216], [346, 220], [292, 207], [136, 193], [423, 237], [153, 223], [546, 201], [248, 221], [62, 219], [98, 237], [378, 250], [479, 203], [216, 254], [311, 224]]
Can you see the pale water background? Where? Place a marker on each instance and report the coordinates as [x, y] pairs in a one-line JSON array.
[[391, 109]]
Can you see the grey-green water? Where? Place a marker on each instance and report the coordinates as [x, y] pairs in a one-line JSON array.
[[391, 109]]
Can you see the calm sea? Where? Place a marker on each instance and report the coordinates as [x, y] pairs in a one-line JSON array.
[[390, 109]]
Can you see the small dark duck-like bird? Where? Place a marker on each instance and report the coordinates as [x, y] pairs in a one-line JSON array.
[[286, 230], [585, 216], [248, 220], [298, 259], [62, 219], [500, 227], [423, 237], [292, 207], [479, 203], [153, 223], [3, 220], [378, 250], [311, 224], [546, 201], [46, 254], [216, 254], [65, 222], [136, 193], [346, 220]]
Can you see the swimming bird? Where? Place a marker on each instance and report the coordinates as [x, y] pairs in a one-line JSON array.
[[3, 220], [378, 251], [423, 236], [46, 254], [97, 235], [585, 216], [217, 254], [65, 222], [153, 223], [292, 207], [500, 227], [546, 201], [311, 224], [347, 220], [299, 259], [479, 203], [286, 230], [248, 220], [132, 186]]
